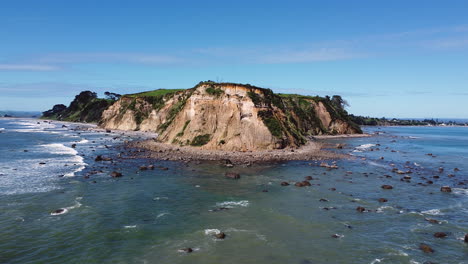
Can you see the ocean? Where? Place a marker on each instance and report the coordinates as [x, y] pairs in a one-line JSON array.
[[149, 216]]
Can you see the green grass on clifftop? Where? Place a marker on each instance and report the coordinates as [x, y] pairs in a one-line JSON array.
[[159, 92]]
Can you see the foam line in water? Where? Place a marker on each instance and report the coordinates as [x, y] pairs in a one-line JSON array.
[[231, 204]]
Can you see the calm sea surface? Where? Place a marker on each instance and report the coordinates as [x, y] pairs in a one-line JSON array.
[[147, 216]]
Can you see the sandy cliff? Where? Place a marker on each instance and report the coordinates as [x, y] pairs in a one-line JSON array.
[[228, 116]]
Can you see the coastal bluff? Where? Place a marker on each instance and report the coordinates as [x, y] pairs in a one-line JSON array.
[[229, 117]]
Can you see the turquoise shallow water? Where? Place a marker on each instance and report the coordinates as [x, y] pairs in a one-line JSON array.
[[147, 216]]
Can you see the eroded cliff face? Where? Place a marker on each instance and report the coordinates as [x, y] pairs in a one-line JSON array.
[[228, 117]]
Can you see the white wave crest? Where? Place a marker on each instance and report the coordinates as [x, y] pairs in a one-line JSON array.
[[232, 204], [432, 212], [212, 231]]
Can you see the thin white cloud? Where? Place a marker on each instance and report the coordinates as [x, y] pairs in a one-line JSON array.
[[28, 67], [302, 56], [103, 57], [453, 43]]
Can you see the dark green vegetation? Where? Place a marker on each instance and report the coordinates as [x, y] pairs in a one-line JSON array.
[[293, 117], [143, 103], [86, 107], [200, 140], [373, 121]]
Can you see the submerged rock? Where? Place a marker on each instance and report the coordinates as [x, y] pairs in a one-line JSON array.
[[284, 184], [302, 184], [220, 235], [426, 248], [232, 175], [360, 209], [382, 200], [387, 187], [440, 234], [445, 189], [186, 250], [116, 174]]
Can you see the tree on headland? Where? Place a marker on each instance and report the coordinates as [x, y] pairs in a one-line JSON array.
[[112, 96], [339, 102]]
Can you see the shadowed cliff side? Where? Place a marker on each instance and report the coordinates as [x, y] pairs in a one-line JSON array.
[[228, 116]]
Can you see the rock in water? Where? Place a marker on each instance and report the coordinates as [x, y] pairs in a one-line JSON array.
[[466, 238], [220, 235], [186, 250], [425, 248], [232, 175], [143, 168], [445, 189], [360, 209], [387, 187], [284, 184], [115, 174], [383, 200], [440, 234]]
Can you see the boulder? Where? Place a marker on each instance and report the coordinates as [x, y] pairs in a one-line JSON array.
[[302, 184], [440, 234], [466, 238], [73, 145], [143, 168], [445, 189], [360, 209], [58, 211], [186, 250], [284, 184], [116, 174], [308, 178], [425, 248], [151, 167], [387, 187], [220, 235], [232, 175]]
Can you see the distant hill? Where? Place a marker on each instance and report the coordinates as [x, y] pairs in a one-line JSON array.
[[8, 113]]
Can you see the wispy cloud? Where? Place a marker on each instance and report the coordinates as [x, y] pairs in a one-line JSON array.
[[28, 67], [103, 57], [441, 39], [312, 55]]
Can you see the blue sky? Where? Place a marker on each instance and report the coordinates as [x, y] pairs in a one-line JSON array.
[[386, 58]]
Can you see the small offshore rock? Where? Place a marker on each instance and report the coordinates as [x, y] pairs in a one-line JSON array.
[[116, 174], [151, 167], [466, 238], [440, 234], [232, 175], [387, 187], [425, 248], [360, 209], [308, 178], [432, 221], [143, 168], [220, 235], [382, 200], [186, 250], [284, 184], [73, 145], [302, 184], [445, 189]]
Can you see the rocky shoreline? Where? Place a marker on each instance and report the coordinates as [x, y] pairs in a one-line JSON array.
[[161, 151]]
